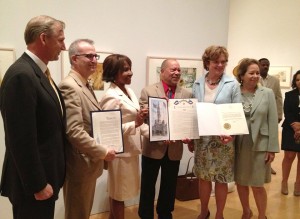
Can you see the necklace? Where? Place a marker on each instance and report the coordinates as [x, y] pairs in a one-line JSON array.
[[247, 99], [213, 83]]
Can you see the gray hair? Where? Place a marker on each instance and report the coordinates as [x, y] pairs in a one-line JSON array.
[[165, 63], [74, 47], [40, 24]]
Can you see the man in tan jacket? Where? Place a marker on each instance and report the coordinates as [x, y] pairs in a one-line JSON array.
[[84, 156], [272, 82], [162, 155]]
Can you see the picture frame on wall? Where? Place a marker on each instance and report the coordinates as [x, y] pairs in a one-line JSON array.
[[7, 58], [99, 86], [283, 73], [191, 70]]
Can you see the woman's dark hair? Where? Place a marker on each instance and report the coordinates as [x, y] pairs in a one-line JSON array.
[[243, 66], [294, 79], [112, 65]]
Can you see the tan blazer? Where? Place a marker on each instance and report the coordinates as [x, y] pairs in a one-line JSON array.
[[263, 122], [157, 150], [273, 83], [114, 98], [84, 155]]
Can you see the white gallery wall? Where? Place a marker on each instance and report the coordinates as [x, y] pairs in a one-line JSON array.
[[168, 28], [264, 28]]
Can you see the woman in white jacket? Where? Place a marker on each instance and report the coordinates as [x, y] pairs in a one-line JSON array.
[[124, 171]]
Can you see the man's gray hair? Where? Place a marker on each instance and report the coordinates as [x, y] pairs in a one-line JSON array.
[[74, 47]]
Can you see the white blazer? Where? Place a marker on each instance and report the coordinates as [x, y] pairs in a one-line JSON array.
[[114, 98]]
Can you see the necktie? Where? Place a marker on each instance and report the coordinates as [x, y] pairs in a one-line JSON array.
[[47, 73], [90, 89], [169, 93]]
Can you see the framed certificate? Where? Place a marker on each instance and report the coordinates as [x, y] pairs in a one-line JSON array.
[[158, 119], [221, 119], [164, 122], [107, 129]]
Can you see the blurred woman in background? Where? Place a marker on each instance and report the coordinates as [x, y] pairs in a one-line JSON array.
[[291, 135]]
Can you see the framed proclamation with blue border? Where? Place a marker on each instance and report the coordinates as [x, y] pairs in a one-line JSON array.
[[107, 129]]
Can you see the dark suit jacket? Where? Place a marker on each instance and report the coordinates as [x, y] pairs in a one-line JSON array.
[[291, 108], [157, 150], [34, 126], [291, 114]]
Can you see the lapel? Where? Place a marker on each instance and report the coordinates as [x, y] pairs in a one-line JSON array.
[[201, 83], [295, 94], [225, 78], [133, 102], [45, 83], [257, 99], [294, 98], [220, 87], [159, 88], [86, 92], [178, 93], [161, 92]]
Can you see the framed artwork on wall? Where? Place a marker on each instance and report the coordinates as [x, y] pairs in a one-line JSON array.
[[283, 73], [7, 58], [98, 84], [191, 69]]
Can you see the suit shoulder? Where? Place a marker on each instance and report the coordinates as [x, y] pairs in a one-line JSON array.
[[20, 66], [265, 89], [151, 86], [68, 82], [186, 92], [110, 92], [268, 91], [272, 77], [292, 92]]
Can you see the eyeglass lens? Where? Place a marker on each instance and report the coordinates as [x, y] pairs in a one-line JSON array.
[[90, 56]]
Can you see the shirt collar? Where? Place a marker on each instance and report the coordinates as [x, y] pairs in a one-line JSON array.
[[166, 87], [266, 78], [37, 60], [82, 79]]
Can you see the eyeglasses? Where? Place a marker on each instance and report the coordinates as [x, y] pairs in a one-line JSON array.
[[90, 56], [219, 63]]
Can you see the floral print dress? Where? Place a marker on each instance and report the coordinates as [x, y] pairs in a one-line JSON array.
[[214, 160]]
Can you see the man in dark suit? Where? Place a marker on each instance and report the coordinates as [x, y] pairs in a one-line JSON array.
[[33, 114], [161, 155]]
